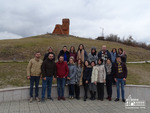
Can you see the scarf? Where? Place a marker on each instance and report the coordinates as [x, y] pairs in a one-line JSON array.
[[119, 68], [108, 67], [80, 55]]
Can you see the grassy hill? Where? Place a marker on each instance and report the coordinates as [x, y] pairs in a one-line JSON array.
[[13, 74], [23, 49]]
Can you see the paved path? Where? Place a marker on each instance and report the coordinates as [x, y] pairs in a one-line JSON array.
[[69, 106]]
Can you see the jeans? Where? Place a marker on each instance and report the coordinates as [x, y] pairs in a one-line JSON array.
[[120, 81], [47, 83], [60, 86], [35, 79], [71, 89]]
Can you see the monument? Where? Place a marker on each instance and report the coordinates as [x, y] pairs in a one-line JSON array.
[[62, 29]]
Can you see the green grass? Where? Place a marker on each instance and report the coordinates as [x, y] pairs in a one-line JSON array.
[[14, 74], [23, 49]]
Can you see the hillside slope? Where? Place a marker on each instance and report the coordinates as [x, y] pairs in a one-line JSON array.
[[24, 49]]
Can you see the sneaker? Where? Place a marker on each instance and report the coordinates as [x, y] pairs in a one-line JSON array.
[[72, 97], [31, 99], [59, 98], [123, 100], [116, 99], [50, 98], [63, 98], [69, 97], [37, 99]]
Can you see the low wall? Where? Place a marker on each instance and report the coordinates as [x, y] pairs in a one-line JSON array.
[[141, 92]]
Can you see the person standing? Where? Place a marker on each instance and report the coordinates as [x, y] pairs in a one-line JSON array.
[[48, 72], [50, 51], [81, 53], [33, 74], [93, 83], [86, 78], [64, 53], [104, 54], [120, 75], [62, 73], [78, 78], [72, 53], [93, 55], [101, 79], [122, 55], [109, 78], [71, 77], [113, 55]]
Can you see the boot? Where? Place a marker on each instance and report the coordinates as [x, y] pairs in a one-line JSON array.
[[94, 96], [91, 95]]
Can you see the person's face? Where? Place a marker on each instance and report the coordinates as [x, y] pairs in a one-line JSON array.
[[120, 51], [64, 49], [92, 64], [81, 47], [104, 48], [99, 62], [61, 59], [51, 56], [38, 55], [93, 51], [71, 61], [72, 48], [118, 59], [79, 61], [86, 63], [50, 50], [108, 62], [114, 50]]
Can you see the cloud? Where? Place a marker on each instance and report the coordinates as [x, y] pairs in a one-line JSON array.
[[33, 17], [7, 35]]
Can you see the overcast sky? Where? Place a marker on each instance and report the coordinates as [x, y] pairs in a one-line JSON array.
[[23, 18]]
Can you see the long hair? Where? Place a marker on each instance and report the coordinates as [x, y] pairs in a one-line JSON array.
[[81, 63], [74, 51], [79, 47]]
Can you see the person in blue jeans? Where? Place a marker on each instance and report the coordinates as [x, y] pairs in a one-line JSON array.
[[120, 75], [33, 74], [48, 72], [62, 73]]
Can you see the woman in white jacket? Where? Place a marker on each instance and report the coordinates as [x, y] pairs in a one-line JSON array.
[[101, 79], [93, 81]]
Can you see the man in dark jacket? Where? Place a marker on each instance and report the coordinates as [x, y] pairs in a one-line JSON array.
[[120, 75], [104, 54], [64, 53], [48, 71]]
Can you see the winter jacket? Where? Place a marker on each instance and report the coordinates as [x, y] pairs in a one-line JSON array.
[[123, 57], [72, 74], [34, 67], [48, 68], [79, 75], [87, 72], [94, 74], [110, 75], [92, 58], [101, 73], [120, 70], [73, 55], [105, 56], [62, 69], [61, 53], [47, 54]]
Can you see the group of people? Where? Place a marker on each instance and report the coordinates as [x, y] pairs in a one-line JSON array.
[[76, 68]]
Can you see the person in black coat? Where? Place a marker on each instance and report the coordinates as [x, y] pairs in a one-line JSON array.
[[87, 72], [64, 53], [50, 51]]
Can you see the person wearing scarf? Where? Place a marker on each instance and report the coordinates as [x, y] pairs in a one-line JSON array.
[[120, 75], [109, 78]]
